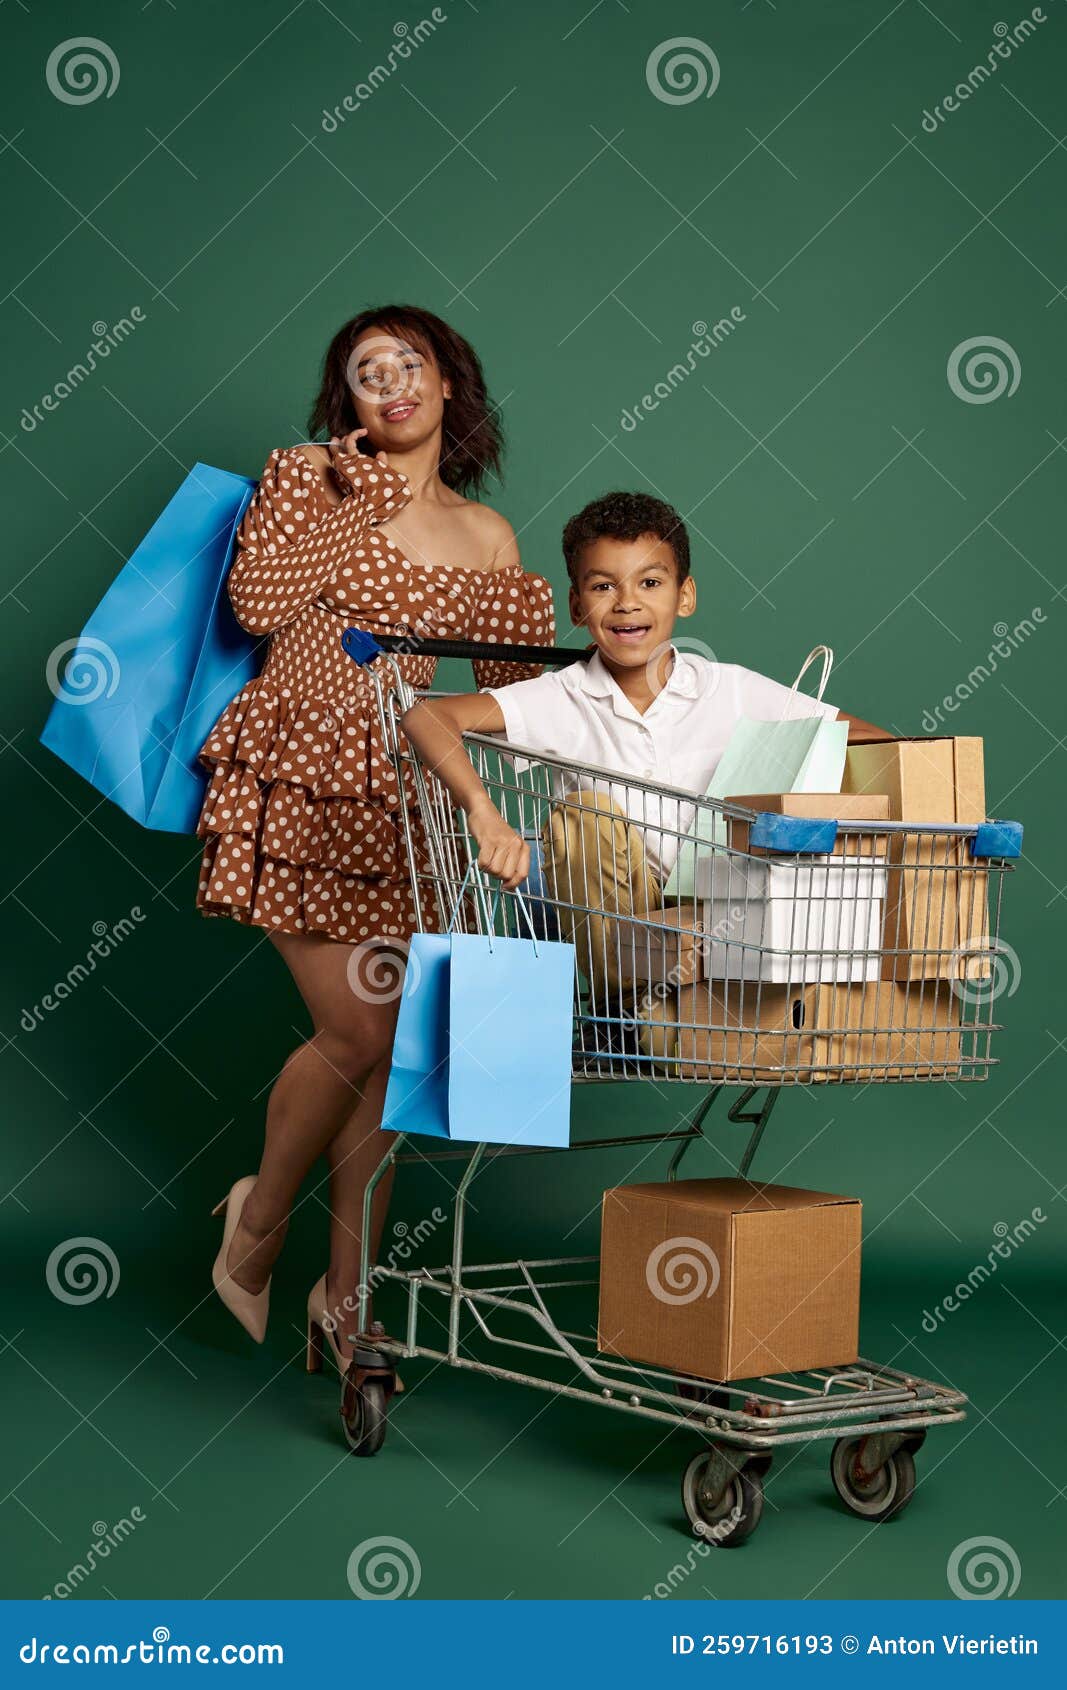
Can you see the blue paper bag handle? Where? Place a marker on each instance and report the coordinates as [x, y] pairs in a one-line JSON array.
[[473, 874]]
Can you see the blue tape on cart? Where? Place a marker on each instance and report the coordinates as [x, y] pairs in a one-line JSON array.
[[998, 839], [797, 835], [361, 647]]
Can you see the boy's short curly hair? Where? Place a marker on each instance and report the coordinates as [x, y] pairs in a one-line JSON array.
[[625, 516]]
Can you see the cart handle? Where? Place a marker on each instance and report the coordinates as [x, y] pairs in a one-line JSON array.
[[363, 648], [817, 836]]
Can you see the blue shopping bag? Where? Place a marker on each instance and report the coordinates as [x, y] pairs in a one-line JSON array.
[[416, 1099], [158, 660], [482, 1052]]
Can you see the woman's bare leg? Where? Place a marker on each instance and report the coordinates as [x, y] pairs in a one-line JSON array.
[[353, 1154], [315, 1094]]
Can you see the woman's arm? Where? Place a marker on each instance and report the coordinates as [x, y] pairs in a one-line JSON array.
[[285, 552], [513, 607], [860, 731], [435, 728]]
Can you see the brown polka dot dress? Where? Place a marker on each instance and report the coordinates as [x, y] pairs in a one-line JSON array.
[[302, 818]]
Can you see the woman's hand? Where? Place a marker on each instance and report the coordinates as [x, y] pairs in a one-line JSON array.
[[347, 446], [502, 852]]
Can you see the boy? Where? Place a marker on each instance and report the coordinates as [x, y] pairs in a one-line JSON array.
[[637, 707]]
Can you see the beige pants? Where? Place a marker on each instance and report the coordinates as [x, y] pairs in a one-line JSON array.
[[595, 859]]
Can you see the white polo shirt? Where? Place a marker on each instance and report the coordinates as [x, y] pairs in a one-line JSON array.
[[581, 714]]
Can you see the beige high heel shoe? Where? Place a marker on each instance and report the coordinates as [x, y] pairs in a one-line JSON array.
[[322, 1331], [249, 1307]]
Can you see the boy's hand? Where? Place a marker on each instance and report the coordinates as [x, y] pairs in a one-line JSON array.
[[501, 851]]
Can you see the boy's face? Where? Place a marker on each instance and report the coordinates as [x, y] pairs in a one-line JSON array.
[[628, 596]]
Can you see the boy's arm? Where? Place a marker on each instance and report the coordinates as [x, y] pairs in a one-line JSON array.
[[435, 727], [859, 730]]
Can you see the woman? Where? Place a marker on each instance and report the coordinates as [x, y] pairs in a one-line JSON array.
[[302, 816]]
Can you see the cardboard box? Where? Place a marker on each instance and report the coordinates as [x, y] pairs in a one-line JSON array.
[[925, 780], [936, 912], [884, 1031], [864, 807], [729, 1280], [813, 918], [667, 952], [758, 1033], [937, 903]]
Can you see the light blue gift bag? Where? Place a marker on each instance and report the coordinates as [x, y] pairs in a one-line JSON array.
[[158, 660], [482, 1052], [796, 754]]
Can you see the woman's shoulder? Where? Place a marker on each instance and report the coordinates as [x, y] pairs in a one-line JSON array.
[[492, 535], [295, 463]]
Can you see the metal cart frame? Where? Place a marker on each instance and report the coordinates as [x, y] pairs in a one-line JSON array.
[[876, 1415]]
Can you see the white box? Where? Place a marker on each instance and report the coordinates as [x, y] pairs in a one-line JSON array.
[[816, 919]]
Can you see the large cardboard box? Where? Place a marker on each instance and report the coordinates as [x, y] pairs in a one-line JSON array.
[[884, 1031], [744, 1032], [863, 807], [936, 914], [729, 1280]]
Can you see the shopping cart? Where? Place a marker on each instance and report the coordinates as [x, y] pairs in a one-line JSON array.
[[802, 951]]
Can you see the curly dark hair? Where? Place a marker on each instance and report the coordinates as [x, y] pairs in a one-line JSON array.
[[473, 438], [626, 516]]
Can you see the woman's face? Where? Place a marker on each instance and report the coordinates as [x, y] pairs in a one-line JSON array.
[[397, 389]]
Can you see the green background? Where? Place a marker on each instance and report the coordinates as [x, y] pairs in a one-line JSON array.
[[518, 176]]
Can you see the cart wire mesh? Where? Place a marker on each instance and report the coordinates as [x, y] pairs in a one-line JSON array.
[[866, 951]]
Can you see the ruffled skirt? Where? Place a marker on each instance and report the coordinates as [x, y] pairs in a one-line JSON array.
[[303, 823]]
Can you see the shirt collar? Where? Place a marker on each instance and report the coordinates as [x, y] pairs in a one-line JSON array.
[[596, 680]]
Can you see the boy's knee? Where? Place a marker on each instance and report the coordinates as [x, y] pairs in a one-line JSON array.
[[586, 820]]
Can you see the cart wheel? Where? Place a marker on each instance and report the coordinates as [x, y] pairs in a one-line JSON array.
[[364, 1410], [735, 1516], [880, 1495], [914, 1441]]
